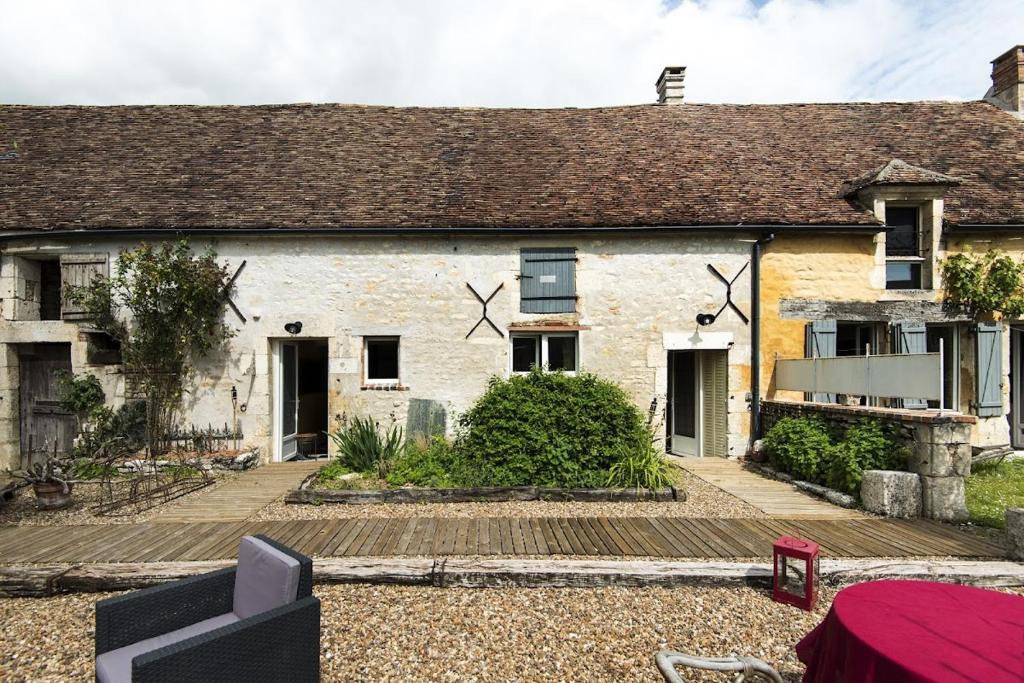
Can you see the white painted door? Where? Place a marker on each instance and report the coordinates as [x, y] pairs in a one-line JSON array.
[[289, 400], [684, 390]]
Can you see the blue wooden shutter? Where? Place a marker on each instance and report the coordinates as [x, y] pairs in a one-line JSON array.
[[548, 280], [911, 337], [820, 342], [988, 371]]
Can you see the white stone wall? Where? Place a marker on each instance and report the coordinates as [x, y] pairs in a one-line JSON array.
[[632, 291]]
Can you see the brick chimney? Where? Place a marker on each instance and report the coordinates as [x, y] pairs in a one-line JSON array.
[[670, 85], [1007, 89]]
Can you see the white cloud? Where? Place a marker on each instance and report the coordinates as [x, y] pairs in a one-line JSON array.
[[483, 52]]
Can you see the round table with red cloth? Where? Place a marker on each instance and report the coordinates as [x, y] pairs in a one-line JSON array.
[[917, 631]]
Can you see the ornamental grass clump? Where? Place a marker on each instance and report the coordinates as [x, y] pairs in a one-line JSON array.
[[366, 447]]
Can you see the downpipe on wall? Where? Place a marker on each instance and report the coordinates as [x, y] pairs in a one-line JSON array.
[[755, 333]]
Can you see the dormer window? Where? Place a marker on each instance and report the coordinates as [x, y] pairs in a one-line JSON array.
[[903, 253]]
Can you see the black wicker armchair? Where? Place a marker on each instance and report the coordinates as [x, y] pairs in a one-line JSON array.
[[263, 627]]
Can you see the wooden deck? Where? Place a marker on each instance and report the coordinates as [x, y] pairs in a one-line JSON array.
[[245, 495], [770, 496], [662, 537]]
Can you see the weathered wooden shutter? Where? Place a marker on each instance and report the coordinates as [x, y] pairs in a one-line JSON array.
[[820, 342], [715, 387], [911, 337], [548, 280], [78, 270], [988, 371]]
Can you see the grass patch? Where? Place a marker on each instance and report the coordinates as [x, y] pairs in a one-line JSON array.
[[992, 488]]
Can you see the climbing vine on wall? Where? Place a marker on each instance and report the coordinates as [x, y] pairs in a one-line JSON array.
[[986, 283], [166, 306]]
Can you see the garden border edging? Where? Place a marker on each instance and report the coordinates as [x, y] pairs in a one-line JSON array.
[[488, 494]]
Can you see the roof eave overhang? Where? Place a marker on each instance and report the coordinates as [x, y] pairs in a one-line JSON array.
[[984, 227], [742, 228]]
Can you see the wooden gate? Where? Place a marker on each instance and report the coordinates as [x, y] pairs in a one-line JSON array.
[[44, 424]]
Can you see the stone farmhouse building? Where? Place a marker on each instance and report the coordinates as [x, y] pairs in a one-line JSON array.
[[390, 260]]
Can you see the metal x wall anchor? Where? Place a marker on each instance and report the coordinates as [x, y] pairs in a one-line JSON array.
[[483, 316], [728, 292], [227, 292]]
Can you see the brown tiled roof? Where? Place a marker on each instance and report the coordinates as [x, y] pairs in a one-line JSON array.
[[339, 166], [898, 172]]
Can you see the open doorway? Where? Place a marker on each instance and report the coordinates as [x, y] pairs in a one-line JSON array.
[[697, 403], [301, 399]]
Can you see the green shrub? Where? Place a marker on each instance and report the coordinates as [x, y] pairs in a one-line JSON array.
[[434, 464], [548, 429], [364, 447], [640, 466], [867, 445], [798, 445], [334, 469]]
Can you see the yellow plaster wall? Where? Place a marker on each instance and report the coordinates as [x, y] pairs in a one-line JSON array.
[[834, 267]]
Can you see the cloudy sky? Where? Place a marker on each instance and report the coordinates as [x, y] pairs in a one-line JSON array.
[[488, 53]]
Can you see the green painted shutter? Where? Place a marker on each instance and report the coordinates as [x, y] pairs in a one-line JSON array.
[[820, 342], [988, 372], [714, 369], [548, 280], [911, 337]]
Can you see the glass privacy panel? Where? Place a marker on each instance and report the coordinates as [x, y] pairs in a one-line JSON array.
[[562, 353], [524, 353], [792, 575]]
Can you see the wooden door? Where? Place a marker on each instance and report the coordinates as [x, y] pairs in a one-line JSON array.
[[44, 424]]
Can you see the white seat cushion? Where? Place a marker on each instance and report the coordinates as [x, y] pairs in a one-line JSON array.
[[266, 578], [116, 666]]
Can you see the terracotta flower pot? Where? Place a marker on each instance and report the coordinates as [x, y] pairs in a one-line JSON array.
[[51, 496]]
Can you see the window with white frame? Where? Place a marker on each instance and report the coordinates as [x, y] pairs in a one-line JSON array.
[[549, 351], [380, 360], [903, 248]]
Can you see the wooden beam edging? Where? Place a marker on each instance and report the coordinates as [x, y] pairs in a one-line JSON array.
[[490, 494], [47, 580]]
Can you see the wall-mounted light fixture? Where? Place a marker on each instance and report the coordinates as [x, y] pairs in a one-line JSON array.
[[293, 328], [705, 318]]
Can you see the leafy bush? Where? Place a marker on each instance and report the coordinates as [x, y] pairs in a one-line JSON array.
[[989, 283], [434, 464], [81, 395], [364, 447], [113, 432], [640, 466], [548, 429], [867, 445], [797, 445]]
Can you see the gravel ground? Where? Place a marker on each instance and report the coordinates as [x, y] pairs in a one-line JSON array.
[[375, 633], [22, 511], [703, 500]]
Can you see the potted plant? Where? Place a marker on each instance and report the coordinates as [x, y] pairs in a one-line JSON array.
[[49, 482]]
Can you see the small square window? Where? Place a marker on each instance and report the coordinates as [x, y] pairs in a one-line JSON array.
[[381, 359], [525, 353], [562, 353], [902, 275]]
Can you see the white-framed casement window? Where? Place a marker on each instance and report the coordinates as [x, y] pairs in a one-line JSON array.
[[904, 258], [549, 351], [381, 360]]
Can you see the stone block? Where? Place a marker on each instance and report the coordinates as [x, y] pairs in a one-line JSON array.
[[1015, 532], [941, 459], [942, 498], [892, 494], [942, 432]]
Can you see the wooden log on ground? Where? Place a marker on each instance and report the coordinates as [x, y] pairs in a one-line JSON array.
[[97, 577], [485, 494], [410, 572], [990, 573], [583, 574], [31, 581]]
